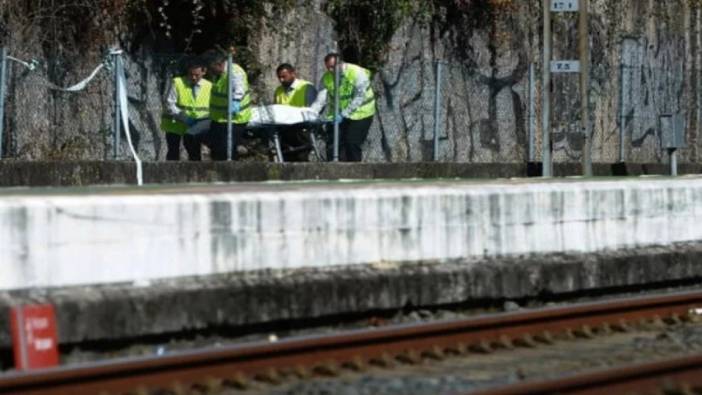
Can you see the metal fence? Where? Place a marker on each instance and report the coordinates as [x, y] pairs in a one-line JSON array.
[[112, 62], [437, 111]]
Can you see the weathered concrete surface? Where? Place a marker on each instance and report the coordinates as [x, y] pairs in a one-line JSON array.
[[82, 173], [138, 235], [170, 306]]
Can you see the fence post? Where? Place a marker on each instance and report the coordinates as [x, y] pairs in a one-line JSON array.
[[546, 93], [3, 66], [584, 51], [116, 57], [230, 134], [673, 153], [437, 111], [532, 113], [337, 77], [622, 104]]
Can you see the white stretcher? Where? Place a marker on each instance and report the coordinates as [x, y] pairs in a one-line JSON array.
[[271, 116], [280, 114]]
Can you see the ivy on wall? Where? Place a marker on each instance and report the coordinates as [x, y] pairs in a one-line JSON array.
[[365, 27]]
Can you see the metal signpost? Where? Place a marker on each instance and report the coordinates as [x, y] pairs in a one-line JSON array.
[[546, 94], [564, 5], [672, 127], [584, 52], [565, 66]]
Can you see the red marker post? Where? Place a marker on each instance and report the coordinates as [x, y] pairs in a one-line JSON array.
[[34, 338]]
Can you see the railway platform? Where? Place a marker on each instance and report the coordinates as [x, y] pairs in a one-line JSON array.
[[123, 262]]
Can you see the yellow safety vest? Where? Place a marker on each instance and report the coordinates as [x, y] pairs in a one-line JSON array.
[[296, 97], [218, 103], [193, 107], [346, 85]]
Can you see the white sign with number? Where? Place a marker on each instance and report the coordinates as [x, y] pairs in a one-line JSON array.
[[565, 66], [564, 5]]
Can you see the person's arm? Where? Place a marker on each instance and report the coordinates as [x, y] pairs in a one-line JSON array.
[[359, 94], [172, 106], [321, 101], [237, 86], [171, 100], [310, 95]]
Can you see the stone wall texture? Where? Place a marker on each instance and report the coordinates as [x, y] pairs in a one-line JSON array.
[[645, 60]]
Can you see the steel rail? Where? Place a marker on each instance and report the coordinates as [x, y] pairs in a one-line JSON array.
[[674, 375], [353, 348]]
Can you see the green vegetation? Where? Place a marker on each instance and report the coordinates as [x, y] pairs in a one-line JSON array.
[[365, 27]]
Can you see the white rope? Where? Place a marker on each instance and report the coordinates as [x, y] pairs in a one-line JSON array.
[[81, 85], [124, 110], [32, 65], [121, 93]]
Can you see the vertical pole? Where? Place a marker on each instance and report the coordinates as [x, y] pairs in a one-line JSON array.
[[3, 66], [698, 84], [532, 113], [337, 77], [673, 161], [584, 49], [622, 104], [116, 107], [546, 93], [120, 63], [230, 134], [437, 112]]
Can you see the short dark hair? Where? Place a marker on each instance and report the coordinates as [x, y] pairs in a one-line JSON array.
[[196, 62], [285, 66], [332, 55], [213, 56]]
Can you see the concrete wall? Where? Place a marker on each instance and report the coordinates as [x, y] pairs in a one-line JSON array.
[[63, 239]]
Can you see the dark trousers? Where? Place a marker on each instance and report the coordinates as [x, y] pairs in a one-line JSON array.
[[352, 134], [296, 143], [191, 143], [217, 139]]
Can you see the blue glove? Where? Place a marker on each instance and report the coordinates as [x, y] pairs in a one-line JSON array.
[[338, 119], [235, 107], [190, 121]]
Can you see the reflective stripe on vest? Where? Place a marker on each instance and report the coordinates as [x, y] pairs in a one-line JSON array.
[[296, 98], [218, 103], [192, 107], [346, 87]]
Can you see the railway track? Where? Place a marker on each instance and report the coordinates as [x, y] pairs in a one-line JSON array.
[[217, 369], [671, 376]]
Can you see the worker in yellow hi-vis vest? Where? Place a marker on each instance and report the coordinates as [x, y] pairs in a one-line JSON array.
[[186, 112], [356, 107], [294, 92], [239, 107]]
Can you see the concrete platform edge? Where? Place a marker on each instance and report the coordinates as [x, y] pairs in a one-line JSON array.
[[170, 306], [81, 173]]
